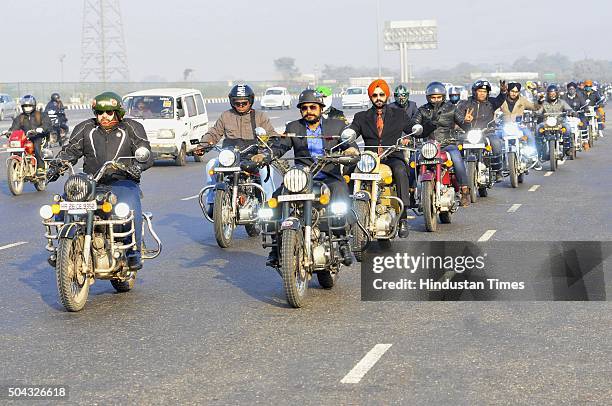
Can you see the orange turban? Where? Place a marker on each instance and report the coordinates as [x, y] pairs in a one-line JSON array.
[[379, 83]]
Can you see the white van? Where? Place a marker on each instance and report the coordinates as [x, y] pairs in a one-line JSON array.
[[355, 97], [172, 119]]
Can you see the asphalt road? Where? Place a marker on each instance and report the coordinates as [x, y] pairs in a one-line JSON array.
[[211, 326]]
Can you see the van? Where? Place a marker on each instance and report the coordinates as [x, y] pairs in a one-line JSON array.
[[355, 97], [172, 118]]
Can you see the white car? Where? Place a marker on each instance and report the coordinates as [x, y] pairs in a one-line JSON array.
[[355, 97], [276, 97], [8, 107], [172, 118]]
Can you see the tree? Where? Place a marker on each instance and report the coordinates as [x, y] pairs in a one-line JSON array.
[[286, 67], [187, 73]]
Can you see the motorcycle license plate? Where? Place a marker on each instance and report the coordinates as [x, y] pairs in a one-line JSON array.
[[473, 146], [365, 176], [15, 149], [78, 205], [227, 169], [298, 197]]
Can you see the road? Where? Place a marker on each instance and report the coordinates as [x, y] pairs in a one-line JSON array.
[[211, 326]]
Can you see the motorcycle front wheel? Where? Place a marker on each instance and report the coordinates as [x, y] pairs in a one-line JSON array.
[[472, 176], [72, 283], [295, 276], [15, 181], [513, 169], [223, 219], [427, 201], [552, 153], [362, 210]]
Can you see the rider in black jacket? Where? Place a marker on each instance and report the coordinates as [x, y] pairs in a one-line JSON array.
[[33, 120], [106, 138], [401, 97], [57, 114]]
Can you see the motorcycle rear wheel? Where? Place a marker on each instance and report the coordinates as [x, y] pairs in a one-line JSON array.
[[512, 169], [15, 184], [72, 284], [427, 201], [362, 210], [223, 222], [295, 277]]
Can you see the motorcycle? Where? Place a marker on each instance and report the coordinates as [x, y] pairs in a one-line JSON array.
[[552, 138], [238, 193], [305, 238], [592, 122], [517, 157], [375, 200], [21, 164], [477, 153], [59, 129], [91, 242]]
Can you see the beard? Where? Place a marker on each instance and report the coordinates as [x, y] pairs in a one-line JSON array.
[[379, 104], [312, 118]]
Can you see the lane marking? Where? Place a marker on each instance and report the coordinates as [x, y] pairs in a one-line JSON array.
[[190, 198], [488, 234], [534, 188], [366, 363], [15, 244], [548, 173], [514, 208]]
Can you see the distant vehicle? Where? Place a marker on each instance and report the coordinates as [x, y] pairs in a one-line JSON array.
[[276, 97], [462, 92], [355, 97], [8, 107], [172, 119]]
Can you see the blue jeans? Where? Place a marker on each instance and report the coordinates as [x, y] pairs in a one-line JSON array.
[[568, 139], [268, 186], [128, 191]]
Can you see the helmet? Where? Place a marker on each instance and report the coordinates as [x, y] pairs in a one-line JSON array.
[[55, 96], [588, 82], [454, 94], [572, 84], [326, 94], [481, 84], [27, 100], [552, 88], [310, 96], [241, 92], [435, 88], [401, 95], [108, 101]]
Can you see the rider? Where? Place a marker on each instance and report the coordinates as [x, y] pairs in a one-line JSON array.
[[382, 125], [595, 97], [454, 95], [401, 96], [554, 105], [56, 107], [479, 112], [314, 126], [236, 127], [33, 120], [104, 138], [330, 111], [438, 118], [572, 97]]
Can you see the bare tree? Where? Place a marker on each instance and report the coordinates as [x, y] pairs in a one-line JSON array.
[[187, 73], [286, 67]]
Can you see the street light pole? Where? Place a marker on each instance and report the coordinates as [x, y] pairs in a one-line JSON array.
[[61, 61], [378, 37]]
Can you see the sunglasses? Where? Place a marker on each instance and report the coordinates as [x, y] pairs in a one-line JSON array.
[[378, 94], [101, 112], [241, 104], [311, 107]]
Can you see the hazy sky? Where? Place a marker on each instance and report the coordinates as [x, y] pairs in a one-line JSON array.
[[238, 39]]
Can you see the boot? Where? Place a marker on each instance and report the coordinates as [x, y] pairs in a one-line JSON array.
[[134, 261], [465, 196], [404, 228], [272, 260], [347, 257]]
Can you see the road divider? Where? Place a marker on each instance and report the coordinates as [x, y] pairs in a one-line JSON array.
[[487, 235], [15, 244], [367, 362]]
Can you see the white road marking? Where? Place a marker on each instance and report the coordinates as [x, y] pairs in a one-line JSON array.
[[190, 197], [514, 208], [534, 188], [487, 235], [15, 244], [366, 363], [548, 173]]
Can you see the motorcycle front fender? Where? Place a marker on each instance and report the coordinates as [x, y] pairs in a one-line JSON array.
[[427, 176], [69, 231], [471, 158], [221, 186], [362, 196], [290, 223]]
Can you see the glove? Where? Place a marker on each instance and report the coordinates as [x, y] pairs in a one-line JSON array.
[[134, 171], [202, 149], [351, 151], [39, 130], [258, 158]]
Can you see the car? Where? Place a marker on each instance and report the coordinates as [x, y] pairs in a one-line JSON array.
[[276, 97], [8, 107], [172, 118], [355, 97]]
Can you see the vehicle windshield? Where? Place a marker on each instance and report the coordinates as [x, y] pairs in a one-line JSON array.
[[274, 92], [149, 107], [354, 90]]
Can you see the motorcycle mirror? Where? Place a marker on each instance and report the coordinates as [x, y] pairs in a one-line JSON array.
[[417, 129], [260, 132], [142, 154], [348, 135], [47, 154]]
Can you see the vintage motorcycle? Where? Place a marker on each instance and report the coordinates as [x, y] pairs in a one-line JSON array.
[[477, 153], [238, 192], [592, 123], [312, 232], [517, 157], [375, 200], [88, 235], [22, 163], [552, 136]]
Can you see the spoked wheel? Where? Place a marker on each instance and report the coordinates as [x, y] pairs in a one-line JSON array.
[[359, 237], [472, 175], [552, 153], [295, 276], [72, 282], [124, 286], [223, 219], [513, 169], [427, 201], [15, 180]]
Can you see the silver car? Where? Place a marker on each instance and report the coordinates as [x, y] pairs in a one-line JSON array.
[[8, 108]]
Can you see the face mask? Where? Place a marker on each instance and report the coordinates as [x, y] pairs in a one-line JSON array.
[[588, 88], [28, 109], [454, 98]]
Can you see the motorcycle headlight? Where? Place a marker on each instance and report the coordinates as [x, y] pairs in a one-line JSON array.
[[366, 163], [511, 129], [295, 180], [551, 121], [339, 208], [474, 136], [46, 212], [166, 134], [78, 188], [265, 213], [122, 210], [429, 150], [227, 157]]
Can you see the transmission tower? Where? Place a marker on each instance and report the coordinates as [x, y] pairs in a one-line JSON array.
[[103, 53]]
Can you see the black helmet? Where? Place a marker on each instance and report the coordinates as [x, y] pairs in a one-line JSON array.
[[481, 84], [55, 96], [310, 96], [572, 84], [552, 88], [241, 92], [435, 88]]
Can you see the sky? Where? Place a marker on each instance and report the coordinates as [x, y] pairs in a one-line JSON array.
[[239, 39]]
